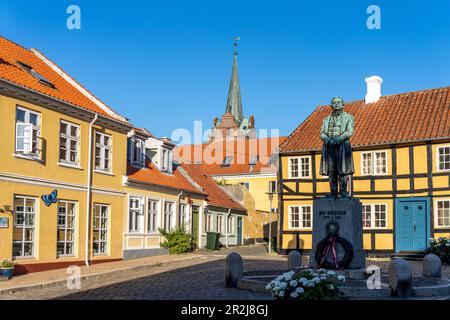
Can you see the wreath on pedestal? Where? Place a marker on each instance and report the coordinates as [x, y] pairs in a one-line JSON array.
[[329, 244]]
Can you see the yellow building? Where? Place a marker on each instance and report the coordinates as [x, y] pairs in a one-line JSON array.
[[58, 207], [401, 151]]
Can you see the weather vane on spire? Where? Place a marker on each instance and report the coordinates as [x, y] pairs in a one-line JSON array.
[[236, 39]]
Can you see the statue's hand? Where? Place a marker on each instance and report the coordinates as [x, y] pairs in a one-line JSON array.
[[338, 140], [331, 142]]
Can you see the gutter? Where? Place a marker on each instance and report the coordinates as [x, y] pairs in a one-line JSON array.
[[226, 227], [89, 192]]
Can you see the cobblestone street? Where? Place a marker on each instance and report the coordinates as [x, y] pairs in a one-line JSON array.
[[200, 278]]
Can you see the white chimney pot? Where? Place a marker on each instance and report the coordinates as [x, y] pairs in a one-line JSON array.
[[373, 89]]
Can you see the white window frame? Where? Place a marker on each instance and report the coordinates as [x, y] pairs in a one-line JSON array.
[[136, 214], [436, 212], [220, 226], [65, 228], [245, 184], [169, 216], [207, 227], [101, 228], [300, 171], [103, 147], [166, 160], [137, 151], [152, 216], [231, 225], [301, 222], [69, 138], [275, 184], [373, 220], [33, 144], [438, 160], [23, 226], [373, 163], [183, 214]]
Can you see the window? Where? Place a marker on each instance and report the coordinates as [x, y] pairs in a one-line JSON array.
[[374, 163], [299, 167], [27, 132], [152, 215], [374, 216], [227, 161], [443, 213], [245, 184], [231, 224], [219, 224], [168, 215], [102, 152], [166, 160], [100, 236], [208, 222], [272, 187], [69, 139], [137, 151], [65, 245], [24, 227], [300, 217], [136, 217], [183, 212], [254, 160], [36, 74], [444, 158]]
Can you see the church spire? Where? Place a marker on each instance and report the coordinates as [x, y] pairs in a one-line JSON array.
[[234, 102]]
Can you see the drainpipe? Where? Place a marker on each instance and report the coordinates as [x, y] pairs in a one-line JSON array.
[[226, 228], [178, 217], [89, 191]]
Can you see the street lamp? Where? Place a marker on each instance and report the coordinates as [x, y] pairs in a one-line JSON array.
[[270, 194]]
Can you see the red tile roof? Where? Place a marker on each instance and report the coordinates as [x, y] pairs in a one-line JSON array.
[[407, 117], [216, 195], [66, 89], [242, 151], [151, 175]]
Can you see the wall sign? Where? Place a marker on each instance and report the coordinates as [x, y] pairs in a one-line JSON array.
[[51, 198], [4, 223]]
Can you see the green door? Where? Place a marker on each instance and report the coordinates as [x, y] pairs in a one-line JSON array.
[[239, 231], [194, 226]]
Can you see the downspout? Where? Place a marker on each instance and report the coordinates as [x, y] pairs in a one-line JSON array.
[[89, 191], [178, 216], [226, 228]]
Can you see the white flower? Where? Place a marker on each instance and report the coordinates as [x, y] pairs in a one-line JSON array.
[[447, 244], [303, 281], [341, 278], [331, 273], [315, 279], [321, 270], [323, 278], [310, 284], [293, 283], [281, 293], [331, 287], [300, 290], [294, 294]]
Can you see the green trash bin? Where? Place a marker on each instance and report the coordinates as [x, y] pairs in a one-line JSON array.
[[212, 240]]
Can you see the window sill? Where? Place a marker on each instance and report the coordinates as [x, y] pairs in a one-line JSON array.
[[141, 234], [26, 157], [442, 227], [104, 172], [71, 166], [376, 229]]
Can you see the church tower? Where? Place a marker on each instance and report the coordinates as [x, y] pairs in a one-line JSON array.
[[233, 125]]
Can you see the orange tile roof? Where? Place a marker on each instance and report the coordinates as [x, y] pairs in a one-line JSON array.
[[151, 175], [216, 195], [11, 71], [242, 151], [407, 117]]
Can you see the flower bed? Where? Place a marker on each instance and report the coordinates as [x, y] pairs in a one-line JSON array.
[[306, 285], [441, 248]]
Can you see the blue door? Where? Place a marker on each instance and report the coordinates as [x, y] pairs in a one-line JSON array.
[[239, 231], [412, 224]]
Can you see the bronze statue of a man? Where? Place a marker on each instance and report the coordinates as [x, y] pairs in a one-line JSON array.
[[337, 159]]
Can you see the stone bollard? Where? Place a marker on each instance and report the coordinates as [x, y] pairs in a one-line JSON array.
[[294, 260], [400, 278], [432, 266], [234, 269]]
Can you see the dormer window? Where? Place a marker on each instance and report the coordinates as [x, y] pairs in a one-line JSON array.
[[166, 160], [137, 151], [227, 161], [37, 75]]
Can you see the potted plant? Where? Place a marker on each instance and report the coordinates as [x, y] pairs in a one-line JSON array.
[[7, 268]]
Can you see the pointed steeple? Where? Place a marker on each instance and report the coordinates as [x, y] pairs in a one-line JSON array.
[[234, 102]]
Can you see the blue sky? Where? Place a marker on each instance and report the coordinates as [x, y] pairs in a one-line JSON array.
[[164, 64]]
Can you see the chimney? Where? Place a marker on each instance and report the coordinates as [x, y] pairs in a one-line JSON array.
[[373, 89]]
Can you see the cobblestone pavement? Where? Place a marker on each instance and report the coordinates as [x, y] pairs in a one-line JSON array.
[[197, 279]]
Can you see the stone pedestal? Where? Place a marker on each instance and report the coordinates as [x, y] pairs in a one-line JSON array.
[[347, 214]]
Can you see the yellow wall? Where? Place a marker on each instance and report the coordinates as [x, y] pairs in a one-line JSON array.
[[383, 241], [71, 183]]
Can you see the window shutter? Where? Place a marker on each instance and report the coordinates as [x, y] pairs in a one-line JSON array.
[[24, 139]]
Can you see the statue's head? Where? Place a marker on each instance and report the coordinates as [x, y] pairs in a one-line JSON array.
[[337, 103]]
